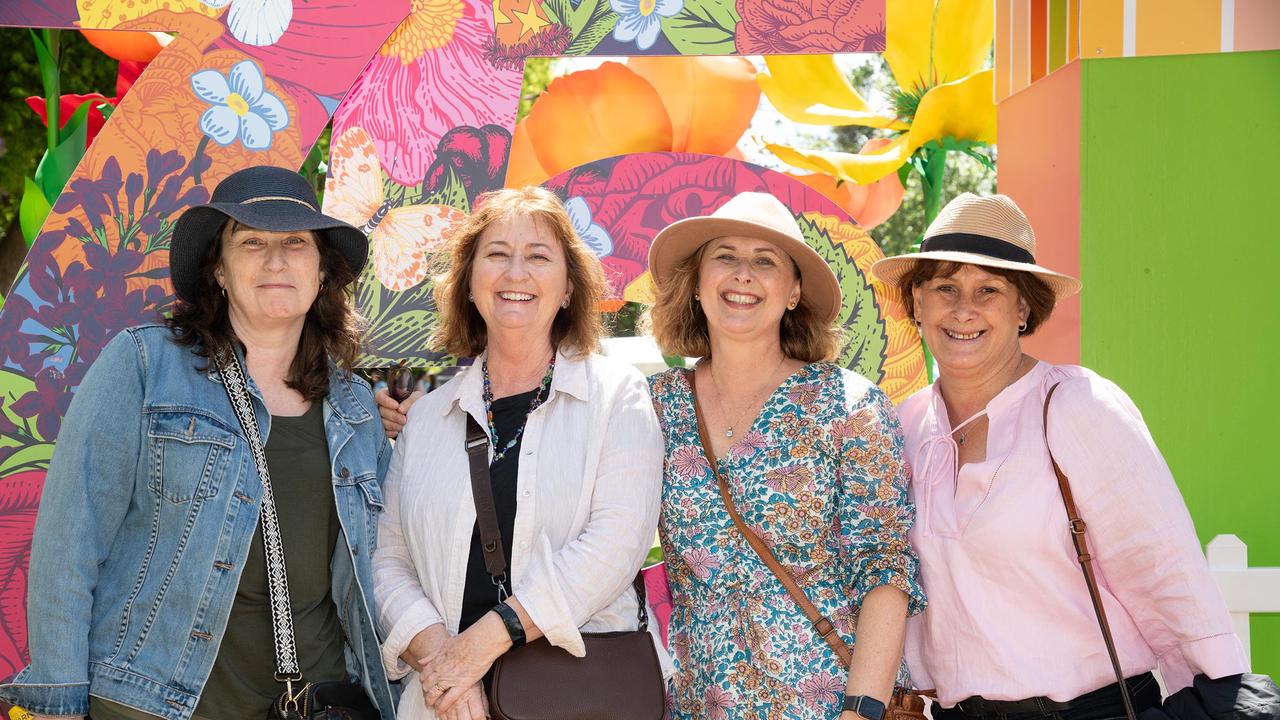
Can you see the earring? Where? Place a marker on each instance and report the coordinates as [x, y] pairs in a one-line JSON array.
[[792, 306], [224, 291], [565, 303], [471, 298], [1022, 327], [696, 298]]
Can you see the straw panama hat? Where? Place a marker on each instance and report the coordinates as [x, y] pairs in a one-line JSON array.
[[756, 215], [990, 231]]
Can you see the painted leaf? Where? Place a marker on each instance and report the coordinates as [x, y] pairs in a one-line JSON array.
[[703, 27], [865, 337]]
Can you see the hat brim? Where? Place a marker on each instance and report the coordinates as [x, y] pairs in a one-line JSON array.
[[196, 229], [819, 285], [891, 270]]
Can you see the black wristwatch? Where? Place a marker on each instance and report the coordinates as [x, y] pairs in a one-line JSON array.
[[866, 706], [514, 627]]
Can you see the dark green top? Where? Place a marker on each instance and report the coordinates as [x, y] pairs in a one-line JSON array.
[[242, 683]]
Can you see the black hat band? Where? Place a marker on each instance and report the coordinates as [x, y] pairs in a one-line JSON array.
[[977, 244]]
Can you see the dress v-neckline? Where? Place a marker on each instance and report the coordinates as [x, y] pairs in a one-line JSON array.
[[728, 456]]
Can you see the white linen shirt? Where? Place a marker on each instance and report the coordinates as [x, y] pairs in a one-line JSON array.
[[588, 492]]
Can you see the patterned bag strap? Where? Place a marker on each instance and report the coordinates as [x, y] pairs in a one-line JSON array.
[[1078, 528], [287, 669], [821, 625]]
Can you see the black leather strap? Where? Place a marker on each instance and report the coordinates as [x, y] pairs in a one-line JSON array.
[[511, 620]]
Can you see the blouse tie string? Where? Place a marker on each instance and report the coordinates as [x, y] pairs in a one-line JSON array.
[[947, 444]]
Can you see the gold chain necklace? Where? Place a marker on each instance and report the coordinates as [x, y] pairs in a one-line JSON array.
[[720, 400]]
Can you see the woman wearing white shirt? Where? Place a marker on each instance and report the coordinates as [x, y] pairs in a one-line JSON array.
[[576, 465]]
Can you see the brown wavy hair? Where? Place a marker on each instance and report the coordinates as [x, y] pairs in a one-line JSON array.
[[679, 325], [1039, 296], [577, 328], [331, 332]]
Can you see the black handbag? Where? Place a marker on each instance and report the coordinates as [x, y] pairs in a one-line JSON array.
[[300, 700], [1234, 697], [619, 678]]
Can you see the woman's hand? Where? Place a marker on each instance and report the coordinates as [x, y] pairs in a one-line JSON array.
[[394, 414], [473, 705], [461, 661]]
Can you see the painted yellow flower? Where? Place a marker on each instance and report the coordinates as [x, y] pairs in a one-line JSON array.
[[936, 50]]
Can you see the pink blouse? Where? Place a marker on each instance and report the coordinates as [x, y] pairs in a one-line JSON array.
[[1009, 614]]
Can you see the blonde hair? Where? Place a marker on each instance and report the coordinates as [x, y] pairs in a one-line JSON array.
[[679, 326], [576, 329]]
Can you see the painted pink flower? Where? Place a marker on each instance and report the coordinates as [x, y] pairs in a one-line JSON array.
[[821, 690], [432, 75], [700, 562], [718, 702], [688, 462]]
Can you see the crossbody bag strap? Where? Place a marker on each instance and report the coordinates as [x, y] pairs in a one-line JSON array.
[[495, 559], [820, 623], [233, 379], [1078, 528]]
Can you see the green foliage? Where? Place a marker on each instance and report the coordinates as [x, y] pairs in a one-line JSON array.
[[22, 137], [588, 23], [537, 76], [703, 27]]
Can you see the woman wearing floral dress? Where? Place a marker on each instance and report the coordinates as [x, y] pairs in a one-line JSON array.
[[812, 456]]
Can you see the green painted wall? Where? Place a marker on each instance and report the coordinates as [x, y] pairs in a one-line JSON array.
[[1180, 256]]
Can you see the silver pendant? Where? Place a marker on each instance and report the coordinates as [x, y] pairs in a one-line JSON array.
[[728, 433]]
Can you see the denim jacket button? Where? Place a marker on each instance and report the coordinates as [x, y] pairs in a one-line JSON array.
[[345, 473]]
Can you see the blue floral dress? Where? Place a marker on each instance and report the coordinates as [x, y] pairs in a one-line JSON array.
[[820, 477]]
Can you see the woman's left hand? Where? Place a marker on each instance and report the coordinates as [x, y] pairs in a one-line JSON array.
[[461, 661]]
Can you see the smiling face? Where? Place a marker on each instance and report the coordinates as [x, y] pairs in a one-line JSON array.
[[745, 285], [519, 276], [269, 277], [970, 320]]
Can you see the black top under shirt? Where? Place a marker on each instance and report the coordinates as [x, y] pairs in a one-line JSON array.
[[480, 594]]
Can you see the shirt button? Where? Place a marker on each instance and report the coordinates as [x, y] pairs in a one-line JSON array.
[[526, 493], [345, 473], [529, 451]]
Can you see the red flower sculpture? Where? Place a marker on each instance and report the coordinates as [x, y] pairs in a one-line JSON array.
[[771, 27]]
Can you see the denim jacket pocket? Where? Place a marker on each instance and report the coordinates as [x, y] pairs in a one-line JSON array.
[[189, 454]]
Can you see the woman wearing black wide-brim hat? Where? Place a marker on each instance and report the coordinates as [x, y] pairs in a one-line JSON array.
[[204, 539]]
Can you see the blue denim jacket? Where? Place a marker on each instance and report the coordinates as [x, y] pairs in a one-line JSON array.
[[147, 515]]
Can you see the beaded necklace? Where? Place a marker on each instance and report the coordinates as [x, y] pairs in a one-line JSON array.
[[538, 398]]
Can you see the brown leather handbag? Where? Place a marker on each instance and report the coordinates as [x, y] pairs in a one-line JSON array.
[[619, 678], [905, 703]]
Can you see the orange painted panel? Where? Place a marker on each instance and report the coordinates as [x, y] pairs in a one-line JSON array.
[[1257, 25], [1178, 27], [1020, 62], [1039, 38], [1003, 39], [1073, 29], [1040, 169], [1101, 28]]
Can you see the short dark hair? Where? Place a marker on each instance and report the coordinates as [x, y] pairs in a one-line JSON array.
[[1036, 292], [331, 331]]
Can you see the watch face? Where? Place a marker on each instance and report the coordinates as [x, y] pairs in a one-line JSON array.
[[868, 707]]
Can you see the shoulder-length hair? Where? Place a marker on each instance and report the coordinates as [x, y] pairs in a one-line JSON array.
[[576, 329], [331, 332], [679, 326]]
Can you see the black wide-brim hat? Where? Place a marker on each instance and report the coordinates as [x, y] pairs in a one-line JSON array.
[[262, 197]]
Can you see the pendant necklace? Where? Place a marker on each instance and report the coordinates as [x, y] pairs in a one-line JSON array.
[[720, 401]]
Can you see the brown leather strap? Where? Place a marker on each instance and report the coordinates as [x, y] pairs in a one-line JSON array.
[[1078, 527], [821, 624], [495, 559]]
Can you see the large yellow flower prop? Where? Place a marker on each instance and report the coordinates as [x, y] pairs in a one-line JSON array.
[[936, 50]]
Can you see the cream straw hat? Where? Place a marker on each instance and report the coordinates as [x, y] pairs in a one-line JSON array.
[[989, 231]]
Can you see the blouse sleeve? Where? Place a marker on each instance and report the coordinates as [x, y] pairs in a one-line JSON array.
[[875, 513], [565, 587], [404, 610], [1140, 532]]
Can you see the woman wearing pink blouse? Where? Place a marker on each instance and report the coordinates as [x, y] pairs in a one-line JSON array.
[[1010, 632]]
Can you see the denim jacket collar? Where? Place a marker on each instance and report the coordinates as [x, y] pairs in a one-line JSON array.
[[341, 399]]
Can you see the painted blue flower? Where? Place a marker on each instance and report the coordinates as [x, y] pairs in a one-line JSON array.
[[595, 236], [256, 22], [242, 107], [638, 20]]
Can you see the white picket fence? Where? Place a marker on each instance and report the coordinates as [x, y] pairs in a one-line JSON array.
[[1246, 589]]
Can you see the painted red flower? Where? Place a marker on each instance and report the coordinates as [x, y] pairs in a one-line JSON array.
[[773, 27], [19, 499]]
